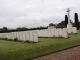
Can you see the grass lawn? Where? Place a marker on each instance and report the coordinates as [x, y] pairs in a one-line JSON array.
[[10, 50]]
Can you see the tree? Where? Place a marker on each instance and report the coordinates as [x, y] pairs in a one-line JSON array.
[[51, 24], [21, 28], [76, 21], [62, 23], [66, 20], [5, 28]]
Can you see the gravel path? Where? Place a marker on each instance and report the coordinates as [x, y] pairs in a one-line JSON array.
[[69, 54]]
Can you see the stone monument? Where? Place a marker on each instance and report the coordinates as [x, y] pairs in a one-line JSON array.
[[51, 27], [69, 25]]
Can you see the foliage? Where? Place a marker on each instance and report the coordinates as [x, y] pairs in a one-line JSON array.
[[51, 24], [62, 23], [6, 39], [62, 26], [16, 39], [5, 28], [76, 21], [66, 20], [21, 28]]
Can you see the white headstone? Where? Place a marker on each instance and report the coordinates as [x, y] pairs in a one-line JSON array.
[[74, 30], [3, 35], [60, 32], [69, 30], [21, 36], [53, 32], [9, 35], [49, 33], [27, 36], [65, 34], [24, 36], [46, 33], [31, 36], [56, 33], [13, 35], [35, 36], [40, 33]]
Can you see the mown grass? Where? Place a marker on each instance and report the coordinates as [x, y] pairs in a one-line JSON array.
[[10, 50]]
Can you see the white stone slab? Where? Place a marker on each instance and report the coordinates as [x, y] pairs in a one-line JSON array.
[[40, 32], [56, 33], [14, 35], [65, 34], [35, 36], [37, 32], [49, 33], [60, 32], [74, 30], [43, 33], [69, 30], [53, 32], [18, 35], [0, 35], [46, 33], [9, 35], [31, 36], [51, 27], [21, 36], [3, 35], [24, 36], [27, 36]]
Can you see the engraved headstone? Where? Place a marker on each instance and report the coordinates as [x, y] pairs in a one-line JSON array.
[[74, 30], [35, 36], [31, 36], [65, 34], [24, 36], [60, 32], [69, 30], [27, 36], [56, 33]]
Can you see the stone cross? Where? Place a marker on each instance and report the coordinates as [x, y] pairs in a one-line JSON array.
[[68, 15]]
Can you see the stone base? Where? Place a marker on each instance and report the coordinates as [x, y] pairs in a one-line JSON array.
[[69, 25], [51, 27]]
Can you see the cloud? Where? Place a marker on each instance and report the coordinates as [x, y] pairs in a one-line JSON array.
[[34, 13]]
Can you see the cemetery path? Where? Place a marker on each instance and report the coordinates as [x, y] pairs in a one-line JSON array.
[[69, 54]]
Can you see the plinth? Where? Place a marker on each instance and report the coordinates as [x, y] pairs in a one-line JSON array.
[[69, 25]]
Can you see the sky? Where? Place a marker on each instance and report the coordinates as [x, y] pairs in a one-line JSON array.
[[36, 13]]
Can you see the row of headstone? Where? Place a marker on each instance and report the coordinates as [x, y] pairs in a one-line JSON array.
[[72, 30], [52, 33], [30, 36]]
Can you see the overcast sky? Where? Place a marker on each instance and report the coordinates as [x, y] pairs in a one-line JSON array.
[[35, 13]]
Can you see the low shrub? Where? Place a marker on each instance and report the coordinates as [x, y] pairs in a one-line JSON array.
[[16, 39], [5, 38]]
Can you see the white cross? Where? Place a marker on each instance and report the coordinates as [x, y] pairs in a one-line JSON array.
[[68, 15]]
